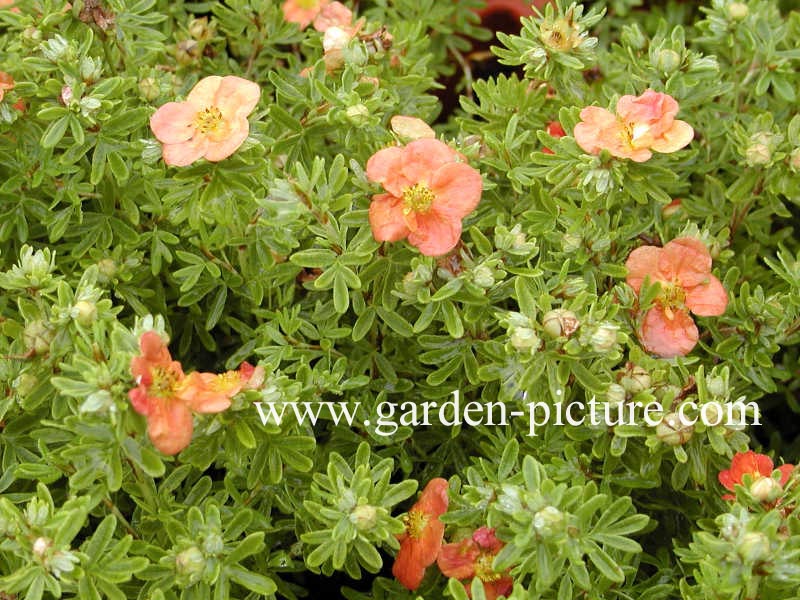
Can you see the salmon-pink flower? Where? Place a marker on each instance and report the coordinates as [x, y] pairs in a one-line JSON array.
[[334, 14], [302, 12], [428, 190], [167, 397], [6, 84], [211, 123], [473, 557], [642, 124], [422, 540], [6, 3], [554, 129], [683, 270], [758, 468]]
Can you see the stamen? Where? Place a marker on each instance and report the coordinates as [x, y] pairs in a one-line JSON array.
[[484, 570], [415, 522], [417, 198], [208, 119]]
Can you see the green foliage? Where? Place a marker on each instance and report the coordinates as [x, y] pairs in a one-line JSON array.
[[268, 256]]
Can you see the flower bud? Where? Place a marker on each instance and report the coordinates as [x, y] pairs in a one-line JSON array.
[[615, 394], [549, 521], [107, 270], [189, 565], [632, 36], [672, 431], [483, 276], [754, 547], [66, 95], [24, 384], [41, 546], [758, 154], [765, 489], [149, 90], [636, 379], [213, 544], [559, 322], [199, 29], [411, 128], [716, 386], [335, 38], [186, 52], [524, 338], [794, 160], [358, 114], [667, 61], [738, 11], [364, 517], [37, 337], [604, 338], [32, 35], [84, 312], [571, 242], [672, 208]]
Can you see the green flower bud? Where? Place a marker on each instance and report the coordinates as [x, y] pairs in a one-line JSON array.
[[187, 52], [32, 35], [358, 114], [604, 338], [636, 379], [40, 547], [84, 312], [766, 489], [483, 276], [754, 547], [25, 383], [738, 11], [571, 242], [615, 394], [213, 544], [549, 521], [633, 37], [189, 565], [560, 322], [37, 336], [364, 517], [524, 338], [758, 154], [716, 386], [107, 269], [149, 90], [667, 61], [200, 30], [672, 431]]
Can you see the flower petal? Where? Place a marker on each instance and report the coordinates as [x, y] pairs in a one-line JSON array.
[[642, 263], [675, 138], [686, 259], [174, 122], [436, 234], [421, 158], [236, 97], [786, 473], [668, 337], [170, 426], [457, 188], [222, 149], [384, 166], [596, 128], [457, 560], [185, 153], [198, 393], [708, 299], [386, 218], [204, 92], [407, 567]]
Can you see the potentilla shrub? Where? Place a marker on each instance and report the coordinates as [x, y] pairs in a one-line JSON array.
[[310, 299]]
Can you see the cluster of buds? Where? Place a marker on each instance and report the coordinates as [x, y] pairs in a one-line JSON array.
[[55, 561], [558, 323]]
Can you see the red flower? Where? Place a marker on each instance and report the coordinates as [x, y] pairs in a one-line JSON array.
[[683, 268], [422, 540], [473, 557], [167, 397], [759, 469], [554, 129], [429, 192]]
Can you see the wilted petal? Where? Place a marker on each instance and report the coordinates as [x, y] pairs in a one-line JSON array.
[[334, 14], [707, 300], [668, 336]]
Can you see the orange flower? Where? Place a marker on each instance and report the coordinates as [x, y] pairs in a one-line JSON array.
[[683, 268], [554, 129], [6, 83], [429, 192], [211, 123], [473, 557], [420, 544], [167, 397], [302, 12], [642, 124], [4, 4], [759, 469]]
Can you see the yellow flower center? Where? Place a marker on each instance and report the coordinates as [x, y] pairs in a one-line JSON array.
[[484, 570], [307, 4], [226, 382], [208, 120], [415, 522], [671, 298], [417, 198], [164, 383]]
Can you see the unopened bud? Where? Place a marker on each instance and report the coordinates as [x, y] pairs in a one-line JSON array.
[[615, 394], [66, 95], [754, 547], [25, 383], [107, 270], [187, 52], [335, 38], [189, 564], [524, 338], [149, 89], [672, 431], [41, 546], [85, 312], [738, 11], [758, 154], [364, 517], [199, 29], [667, 61], [37, 337], [213, 544], [672, 208], [765, 489], [358, 114], [636, 379], [716, 386], [548, 521], [604, 337], [483, 277], [411, 128], [571, 242], [560, 322]]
